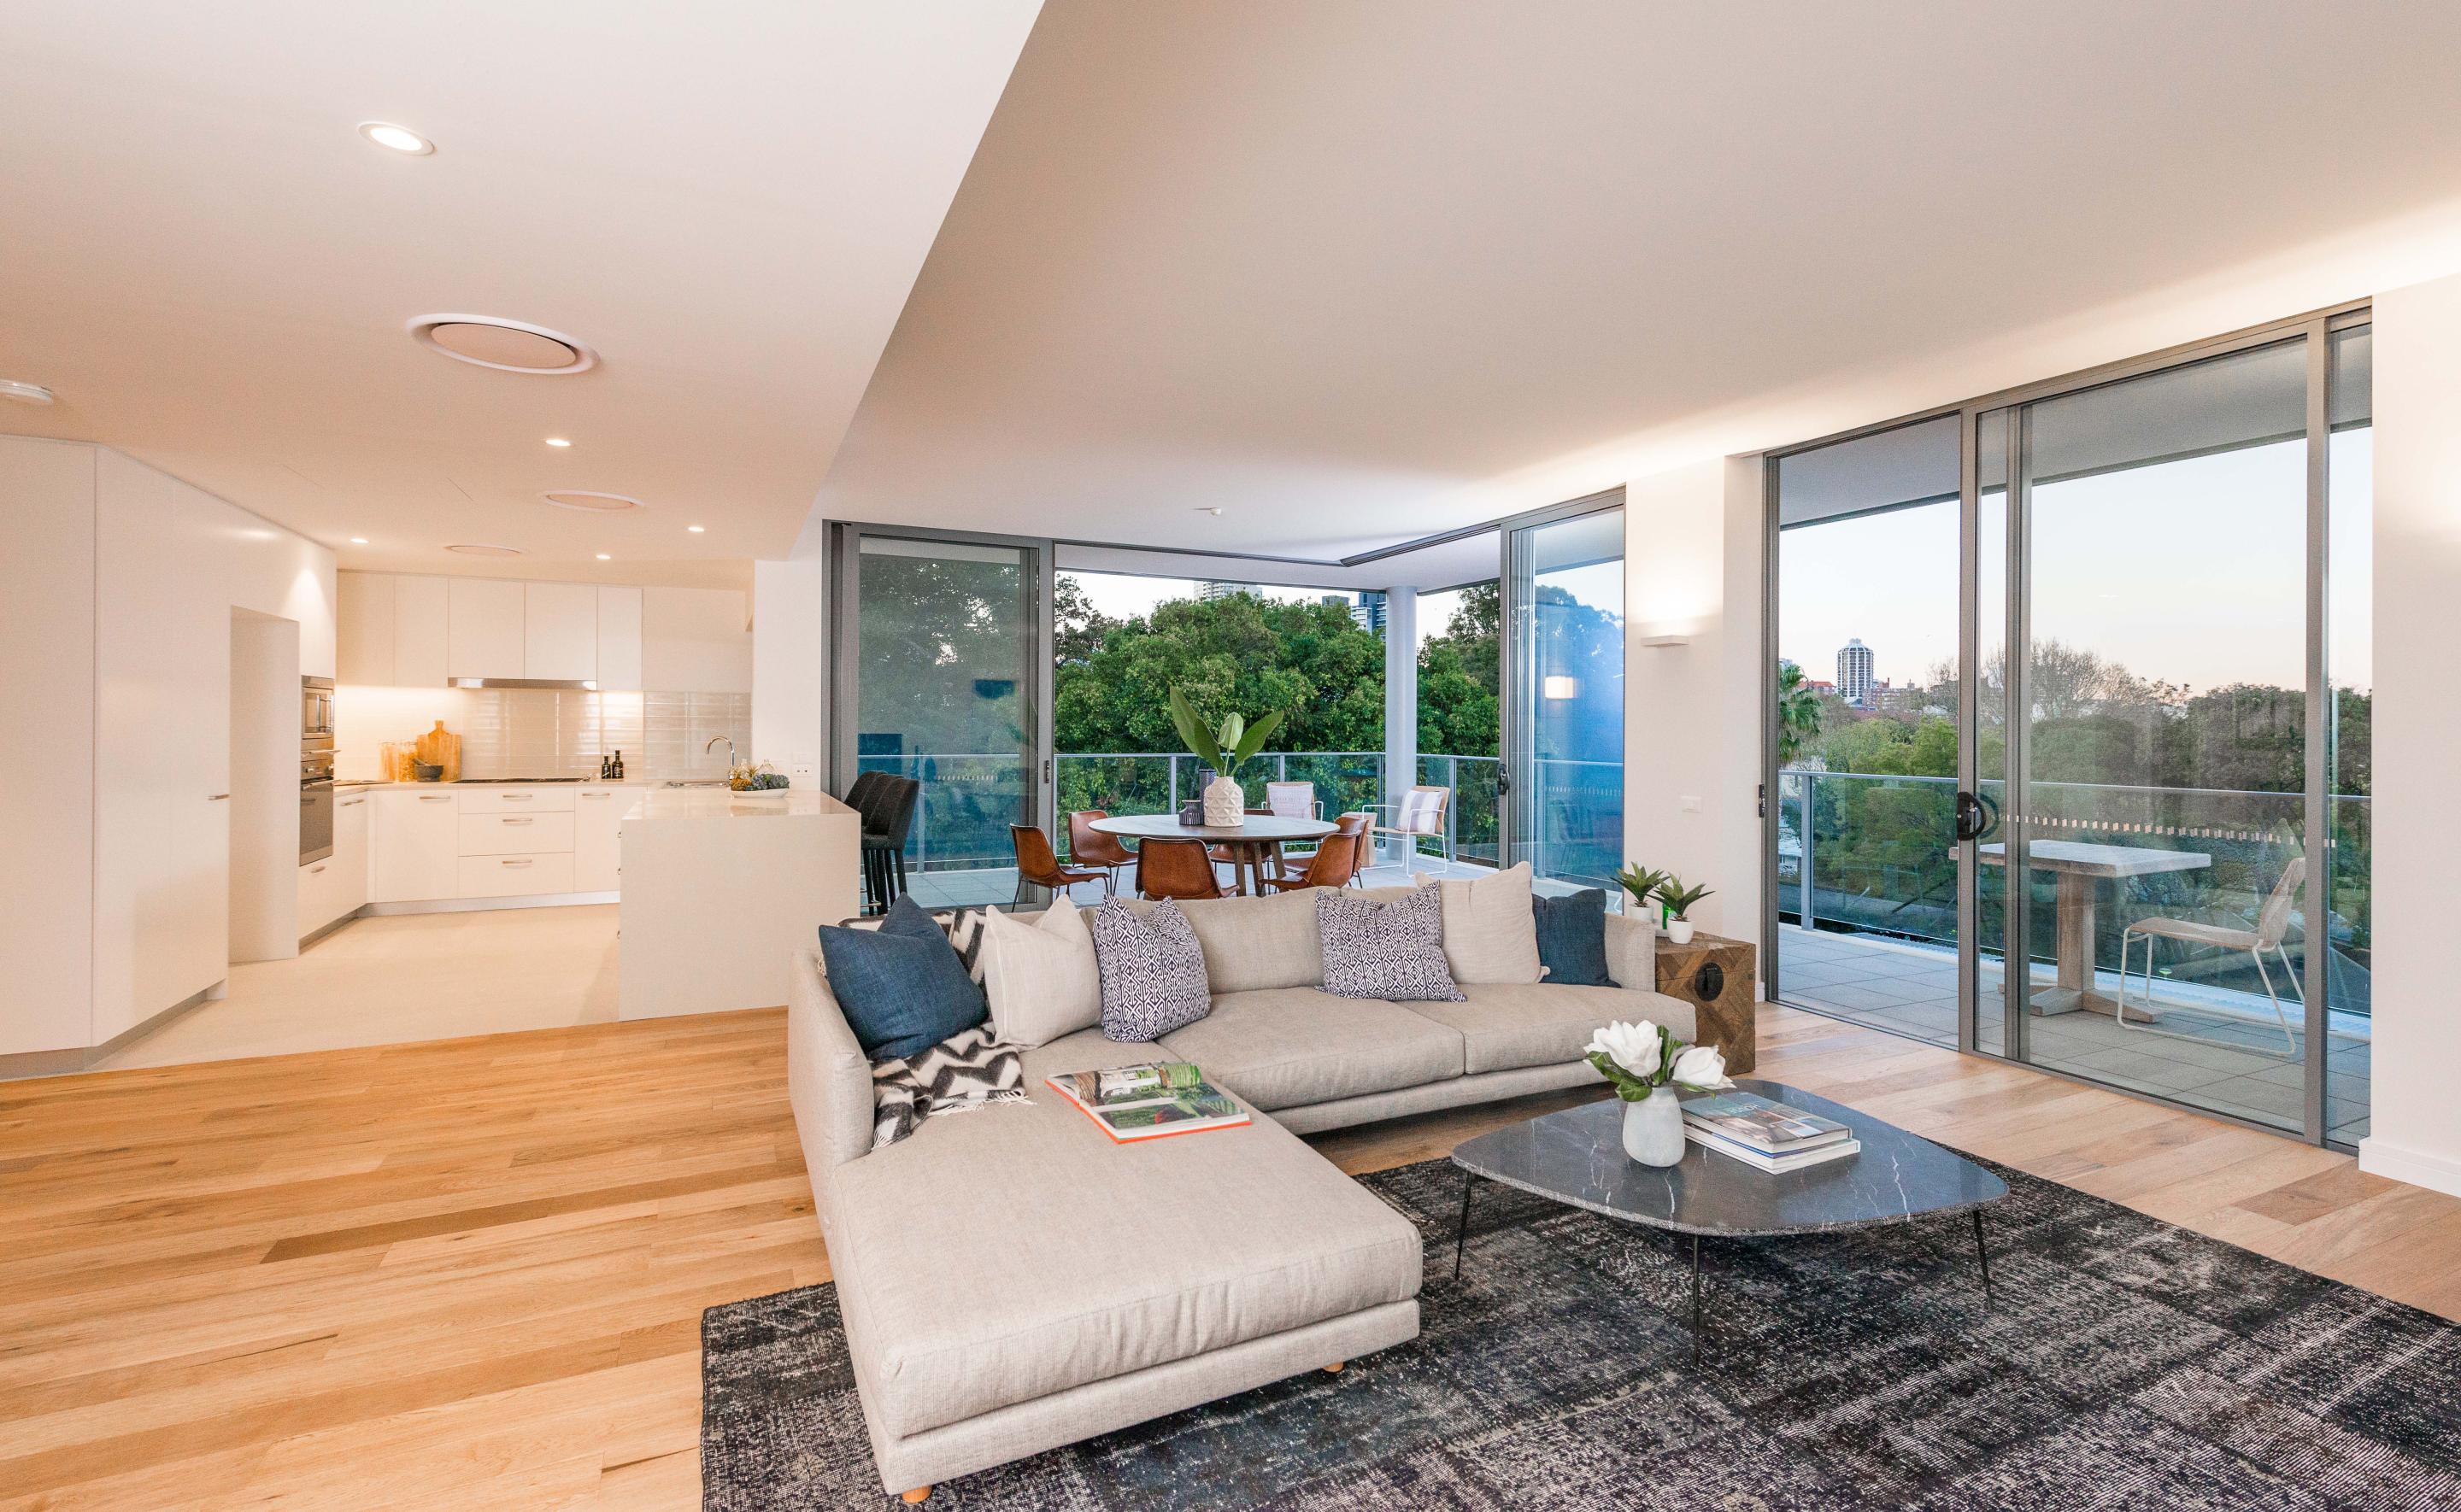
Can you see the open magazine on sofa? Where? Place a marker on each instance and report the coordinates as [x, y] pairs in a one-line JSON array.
[[1149, 1100]]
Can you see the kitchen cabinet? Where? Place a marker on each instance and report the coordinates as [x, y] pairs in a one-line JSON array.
[[560, 632], [364, 605], [596, 846], [694, 641], [337, 886], [420, 650], [514, 833], [619, 639], [515, 876], [417, 847], [485, 626]]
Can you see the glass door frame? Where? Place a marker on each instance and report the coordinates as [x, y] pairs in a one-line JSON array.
[[845, 618], [1511, 645], [2317, 327]]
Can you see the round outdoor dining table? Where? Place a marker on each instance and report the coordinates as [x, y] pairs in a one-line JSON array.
[[1248, 841]]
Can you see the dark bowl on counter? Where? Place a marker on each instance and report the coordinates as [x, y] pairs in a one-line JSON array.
[[427, 773]]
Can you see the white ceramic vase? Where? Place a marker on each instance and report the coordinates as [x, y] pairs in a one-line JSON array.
[[1680, 931], [1653, 1128], [1226, 806]]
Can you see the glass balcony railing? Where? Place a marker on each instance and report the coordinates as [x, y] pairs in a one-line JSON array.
[[1875, 855]]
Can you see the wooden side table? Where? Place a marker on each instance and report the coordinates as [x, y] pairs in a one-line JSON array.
[[1716, 976]]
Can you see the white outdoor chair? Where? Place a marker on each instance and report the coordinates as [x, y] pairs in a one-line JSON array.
[[1291, 800], [1420, 814], [2271, 923]]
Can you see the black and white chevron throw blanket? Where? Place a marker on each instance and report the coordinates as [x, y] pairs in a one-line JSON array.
[[960, 1074]]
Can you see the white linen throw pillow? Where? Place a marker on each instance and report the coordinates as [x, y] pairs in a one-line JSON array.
[[1040, 975], [1490, 929]]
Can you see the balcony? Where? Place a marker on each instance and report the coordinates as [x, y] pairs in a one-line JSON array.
[[1868, 931]]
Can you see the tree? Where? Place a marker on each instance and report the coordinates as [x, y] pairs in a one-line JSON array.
[[1077, 627], [1798, 712], [1460, 675]]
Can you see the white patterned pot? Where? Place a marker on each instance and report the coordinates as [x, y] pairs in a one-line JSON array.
[[1225, 804], [1653, 1128]]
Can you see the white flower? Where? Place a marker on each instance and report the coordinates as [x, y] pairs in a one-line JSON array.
[[1702, 1069], [1634, 1047]]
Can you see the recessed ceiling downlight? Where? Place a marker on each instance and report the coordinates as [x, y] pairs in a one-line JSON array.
[[508, 346], [23, 393], [400, 138], [475, 550], [595, 504]]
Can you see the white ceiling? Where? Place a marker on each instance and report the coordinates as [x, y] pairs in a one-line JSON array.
[[728, 202], [1356, 273]]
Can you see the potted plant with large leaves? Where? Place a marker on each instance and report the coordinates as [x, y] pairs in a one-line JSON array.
[[1226, 748]]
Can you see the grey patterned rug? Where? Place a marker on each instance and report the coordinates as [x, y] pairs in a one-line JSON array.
[[2124, 1363]]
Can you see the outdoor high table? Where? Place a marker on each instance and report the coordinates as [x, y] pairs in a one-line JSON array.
[[2079, 866]]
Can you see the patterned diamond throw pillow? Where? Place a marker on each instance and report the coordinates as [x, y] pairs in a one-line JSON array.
[[1393, 950], [1153, 969]]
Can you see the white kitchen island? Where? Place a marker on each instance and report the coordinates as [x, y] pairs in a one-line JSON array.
[[721, 888]]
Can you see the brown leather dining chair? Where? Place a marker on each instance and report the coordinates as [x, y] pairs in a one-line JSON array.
[[1335, 860], [1175, 868], [1088, 846], [1356, 826], [1038, 868]]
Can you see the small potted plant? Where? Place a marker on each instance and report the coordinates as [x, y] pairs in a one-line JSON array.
[[1677, 901], [1643, 883], [1646, 1063], [1226, 750]]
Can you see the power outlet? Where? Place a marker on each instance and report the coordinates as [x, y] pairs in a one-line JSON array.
[[1691, 803]]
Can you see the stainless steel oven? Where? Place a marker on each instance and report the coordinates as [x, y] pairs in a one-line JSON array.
[[315, 769]]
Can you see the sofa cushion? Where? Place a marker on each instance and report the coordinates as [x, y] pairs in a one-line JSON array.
[[1390, 950], [1504, 1027], [1079, 1260], [1288, 1046], [901, 986], [1040, 975], [1490, 931], [1571, 939], [1152, 970], [1253, 943]]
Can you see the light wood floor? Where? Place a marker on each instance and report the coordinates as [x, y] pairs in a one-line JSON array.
[[469, 1273]]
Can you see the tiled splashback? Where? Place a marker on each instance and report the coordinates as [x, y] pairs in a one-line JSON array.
[[537, 732], [530, 731]]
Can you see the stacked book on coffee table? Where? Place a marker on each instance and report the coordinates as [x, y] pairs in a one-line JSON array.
[[1764, 1135]]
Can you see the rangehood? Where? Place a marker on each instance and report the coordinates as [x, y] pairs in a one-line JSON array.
[[585, 685]]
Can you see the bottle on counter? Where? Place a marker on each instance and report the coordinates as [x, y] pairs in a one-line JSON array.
[[619, 775]]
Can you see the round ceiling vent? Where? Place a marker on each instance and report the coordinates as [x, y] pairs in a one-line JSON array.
[[508, 346], [595, 504], [23, 393], [468, 550]]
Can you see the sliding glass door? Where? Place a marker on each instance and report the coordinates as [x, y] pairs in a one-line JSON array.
[[941, 675], [1563, 703], [2123, 827]]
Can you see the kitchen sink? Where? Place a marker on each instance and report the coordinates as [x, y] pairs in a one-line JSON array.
[[696, 781]]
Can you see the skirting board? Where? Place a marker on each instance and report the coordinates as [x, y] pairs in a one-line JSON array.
[[2437, 1172], [546, 900]]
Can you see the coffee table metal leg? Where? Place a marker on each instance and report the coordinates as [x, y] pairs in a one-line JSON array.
[[1461, 1230], [1696, 1299], [1982, 1254]]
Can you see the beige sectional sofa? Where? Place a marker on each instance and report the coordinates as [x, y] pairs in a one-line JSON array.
[[1011, 1281]]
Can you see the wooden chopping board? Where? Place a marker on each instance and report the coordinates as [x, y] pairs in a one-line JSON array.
[[442, 746]]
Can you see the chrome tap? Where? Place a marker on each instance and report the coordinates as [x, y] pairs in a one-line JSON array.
[[730, 751]]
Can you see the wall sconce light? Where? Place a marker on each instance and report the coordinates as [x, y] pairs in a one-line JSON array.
[[1561, 688], [1666, 640]]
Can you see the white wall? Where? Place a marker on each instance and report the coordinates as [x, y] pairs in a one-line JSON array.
[[264, 923], [46, 744], [1692, 551], [790, 668], [2417, 732]]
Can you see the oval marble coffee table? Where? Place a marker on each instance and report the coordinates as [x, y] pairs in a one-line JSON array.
[[1577, 1157]]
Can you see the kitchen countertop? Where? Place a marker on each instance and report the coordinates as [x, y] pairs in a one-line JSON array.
[[713, 802], [629, 782]]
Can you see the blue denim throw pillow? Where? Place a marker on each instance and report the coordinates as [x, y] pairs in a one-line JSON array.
[[902, 987], [1572, 939]]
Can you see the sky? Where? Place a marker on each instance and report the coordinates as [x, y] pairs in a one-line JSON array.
[[2192, 572]]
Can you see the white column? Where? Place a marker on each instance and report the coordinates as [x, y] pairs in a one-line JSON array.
[[790, 668], [1400, 691], [2415, 1133]]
